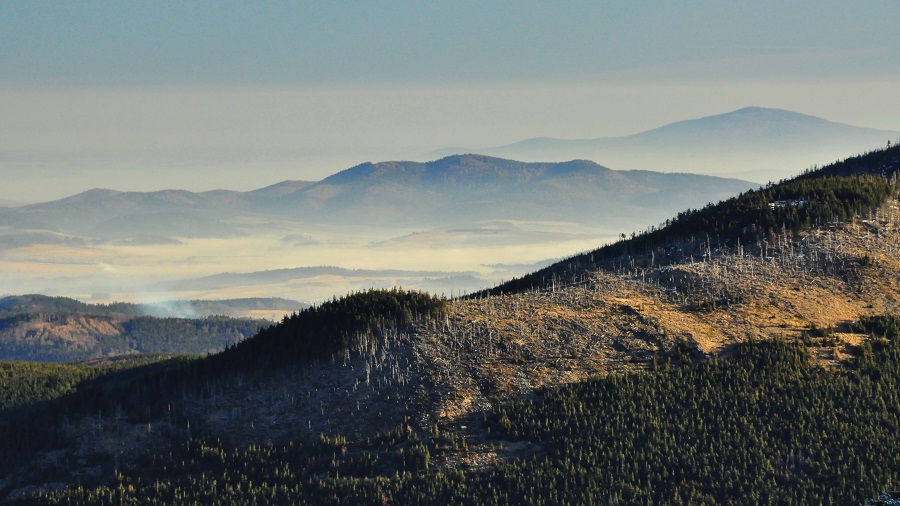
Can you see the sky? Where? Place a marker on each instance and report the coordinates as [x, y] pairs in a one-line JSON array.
[[240, 95]]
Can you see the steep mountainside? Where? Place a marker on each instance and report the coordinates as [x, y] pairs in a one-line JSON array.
[[744, 353]]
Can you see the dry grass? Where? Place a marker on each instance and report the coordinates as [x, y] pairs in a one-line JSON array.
[[490, 350]]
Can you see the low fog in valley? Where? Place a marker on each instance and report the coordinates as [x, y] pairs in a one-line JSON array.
[[443, 261]]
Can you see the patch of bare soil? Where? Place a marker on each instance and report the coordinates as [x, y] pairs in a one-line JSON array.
[[82, 331]]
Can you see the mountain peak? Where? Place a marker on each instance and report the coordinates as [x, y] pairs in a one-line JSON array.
[[471, 161], [753, 142], [757, 111], [93, 195], [752, 118]]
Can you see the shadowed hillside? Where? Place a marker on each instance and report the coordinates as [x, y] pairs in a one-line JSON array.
[[742, 353]]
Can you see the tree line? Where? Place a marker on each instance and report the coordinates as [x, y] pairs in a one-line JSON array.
[[839, 192], [763, 427]]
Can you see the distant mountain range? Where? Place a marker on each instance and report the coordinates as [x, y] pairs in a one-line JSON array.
[[231, 279], [453, 191], [753, 143], [744, 353], [431, 225]]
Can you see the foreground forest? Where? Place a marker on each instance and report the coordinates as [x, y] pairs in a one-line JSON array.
[[744, 353], [764, 427]]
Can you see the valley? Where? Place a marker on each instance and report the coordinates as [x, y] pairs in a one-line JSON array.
[[783, 335], [444, 253], [459, 224]]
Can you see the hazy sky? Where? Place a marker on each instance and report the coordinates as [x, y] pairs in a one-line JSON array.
[[239, 95]]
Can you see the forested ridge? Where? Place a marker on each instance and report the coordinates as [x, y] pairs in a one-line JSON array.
[[64, 336], [138, 391], [44, 304], [334, 328], [765, 427], [763, 422], [61, 329], [834, 193], [24, 383]]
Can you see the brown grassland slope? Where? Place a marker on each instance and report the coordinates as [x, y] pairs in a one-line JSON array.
[[447, 367], [486, 351], [810, 287]]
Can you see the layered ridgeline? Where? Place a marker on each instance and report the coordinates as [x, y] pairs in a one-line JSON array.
[[753, 362], [61, 329], [453, 191], [459, 224], [755, 143]]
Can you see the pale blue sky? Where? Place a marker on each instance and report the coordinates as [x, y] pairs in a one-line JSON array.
[[225, 42], [142, 95]]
